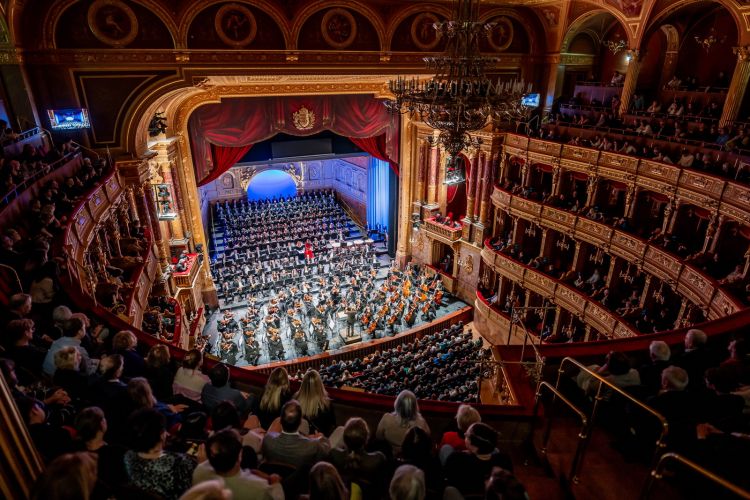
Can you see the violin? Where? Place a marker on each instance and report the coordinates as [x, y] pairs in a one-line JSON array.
[[426, 307], [373, 326], [438, 297]]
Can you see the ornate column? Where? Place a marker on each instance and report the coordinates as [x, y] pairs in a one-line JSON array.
[[737, 87], [614, 265], [525, 170], [545, 242], [113, 234], [629, 197], [478, 186], [713, 232], [133, 207], [555, 75], [142, 206], [422, 167], [516, 235], [630, 207], [432, 183], [631, 80], [586, 333], [670, 217], [578, 257], [486, 192], [556, 179], [471, 182], [646, 290], [681, 313], [591, 188], [557, 325]]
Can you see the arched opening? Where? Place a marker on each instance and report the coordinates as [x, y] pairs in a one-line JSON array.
[[271, 184]]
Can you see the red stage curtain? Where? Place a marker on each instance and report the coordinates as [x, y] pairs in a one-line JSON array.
[[224, 158], [236, 122], [375, 147]]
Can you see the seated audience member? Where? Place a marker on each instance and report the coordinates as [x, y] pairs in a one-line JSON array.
[[696, 358], [674, 83], [502, 485], [289, 446], [615, 370], [417, 450], [655, 107], [91, 426], [650, 373], [219, 390], [407, 484], [680, 407], [326, 484], [49, 439], [722, 408], [141, 396], [275, 394], [208, 490], [355, 464], [159, 372], [69, 476], [73, 333], [125, 343], [19, 307], [148, 466], [223, 452], [465, 417], [686, 159], [68, 375], [28, 358], [189, 380], [315, 403], [468, 470], [393, 426]]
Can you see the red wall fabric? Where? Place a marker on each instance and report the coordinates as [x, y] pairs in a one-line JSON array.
[[239, 122], [375, 147], [224, 157]]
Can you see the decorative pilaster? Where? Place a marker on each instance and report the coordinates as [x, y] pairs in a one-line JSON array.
[[713, 232], [556, 180], [471, 182], [433, 172], [591, 189], [630, 207], [737, 87], [557, 325], [486, 193], [646, 291], [113, 234], [670, 216], [681, 313], [631, 80], [422, 168]]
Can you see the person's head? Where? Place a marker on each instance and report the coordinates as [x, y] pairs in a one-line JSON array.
[[291, 416], [674, 378], [72, 475], [124, 340], [21, 303], [110, 367], [61, 314], [659, 351], [502, 485], [465, 416], [213, 489], [326, 483], [407, 484], [481, 439], [276, 387], [8, 371], [19, 331], [193, 359], [695, 339], [31, 410], [356, 434], [219, 375], [617, 363], [406, 407], [90, 423], [722, 380], [68, 358], [312, 396], [223, 451], [225, 414], [140, 393], [158, 356], [148, 430], [417, 445]]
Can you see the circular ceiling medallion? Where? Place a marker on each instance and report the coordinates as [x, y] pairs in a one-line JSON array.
[[112, 22], [501, 35], [235, 25], [423, 33], [339, 28]]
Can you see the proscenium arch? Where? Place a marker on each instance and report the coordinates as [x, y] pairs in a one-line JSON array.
[[188, 17], [574, 28], [259, 169], [49, 31], [743, 35], [300, 18], [399, 18]]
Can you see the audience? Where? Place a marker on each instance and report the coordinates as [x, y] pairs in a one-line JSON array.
[[393, 426]]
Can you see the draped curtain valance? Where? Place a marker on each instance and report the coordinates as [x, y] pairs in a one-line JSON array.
[[241, 122]]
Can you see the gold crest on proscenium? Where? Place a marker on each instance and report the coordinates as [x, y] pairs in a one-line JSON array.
[[303, 118]]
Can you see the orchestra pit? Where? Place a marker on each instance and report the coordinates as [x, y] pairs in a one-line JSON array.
[[374, 249]]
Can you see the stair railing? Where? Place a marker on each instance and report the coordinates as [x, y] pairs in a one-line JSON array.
[[583, 435], [599, 396], [657, 474]]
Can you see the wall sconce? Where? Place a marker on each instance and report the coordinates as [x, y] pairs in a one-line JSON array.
[[614, 47]]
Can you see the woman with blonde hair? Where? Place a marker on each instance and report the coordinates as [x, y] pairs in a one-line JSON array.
[[68, 374], [315, 403], [275, 394]]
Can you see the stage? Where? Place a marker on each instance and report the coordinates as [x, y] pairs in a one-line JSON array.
[[335, 328]]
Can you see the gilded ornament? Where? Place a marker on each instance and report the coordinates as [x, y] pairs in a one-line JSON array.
[[113, 22], [338, 27], [235, 25], [303, 119]]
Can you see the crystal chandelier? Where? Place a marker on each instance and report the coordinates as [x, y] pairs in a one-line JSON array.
[[460, 98], [614, 47]]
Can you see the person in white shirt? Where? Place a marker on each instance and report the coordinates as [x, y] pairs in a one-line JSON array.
[[223, 452], [644, 129], [189, 380], [627, 149], [687, 159], [73, 332], [654, 108]]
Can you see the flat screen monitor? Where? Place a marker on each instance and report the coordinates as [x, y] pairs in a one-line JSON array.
[[69, 119], [530, 100]]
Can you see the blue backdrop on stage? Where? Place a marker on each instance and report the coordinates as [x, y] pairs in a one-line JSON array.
[[271, 184]]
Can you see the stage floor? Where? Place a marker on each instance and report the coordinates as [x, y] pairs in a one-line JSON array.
[[335, 332]]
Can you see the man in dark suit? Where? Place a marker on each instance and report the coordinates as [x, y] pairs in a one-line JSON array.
[[696, 359], [289, 446]]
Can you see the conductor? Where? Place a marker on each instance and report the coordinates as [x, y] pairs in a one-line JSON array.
[[351, 318]]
